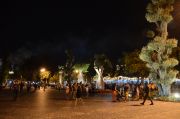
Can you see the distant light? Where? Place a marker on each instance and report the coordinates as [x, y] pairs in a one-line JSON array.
[[77, 71], [11, 72], [42, 70], [176, 95], [155, 98]]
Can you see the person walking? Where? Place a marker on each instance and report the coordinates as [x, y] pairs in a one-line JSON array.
[[79, 94], [74, 90], [114, 93], [147, 89], [21, 87], [67, 91], [137, 92], [15, 89], [44, 87], [59, 87], [28, 86], [126, 92], [87, 90]]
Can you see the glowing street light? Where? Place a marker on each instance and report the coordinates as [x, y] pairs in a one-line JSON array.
[[77, 71], [44, 74], [11, 72], [42, 70]]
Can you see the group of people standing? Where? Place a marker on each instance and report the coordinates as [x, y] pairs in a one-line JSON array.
[[123, 92], [18, 86], [77, 91], [135, 91]]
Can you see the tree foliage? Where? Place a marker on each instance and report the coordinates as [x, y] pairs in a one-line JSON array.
[[134, 66], [101, 61], [28, 69], [159, 12], [176, 54], [81, 67], [45, 74], [91, 71], [68, 68], [4, 73], [54, 78], [158, 51]]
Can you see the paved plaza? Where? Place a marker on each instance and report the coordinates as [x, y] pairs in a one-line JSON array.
[[52, 105]]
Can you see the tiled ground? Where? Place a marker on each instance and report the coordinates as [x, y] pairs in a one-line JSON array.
[[51, 105]]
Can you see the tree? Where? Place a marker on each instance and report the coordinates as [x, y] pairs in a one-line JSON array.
[[120, 66], [80, 70], [44, 74], [68, 68], [176, 54], [28, 69], [54, 78], [157, 52], [101, 64], [134, 66], [91, 71], [4, 70], [23, 64]]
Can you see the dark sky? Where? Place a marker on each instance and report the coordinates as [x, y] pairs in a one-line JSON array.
[[47, 28]]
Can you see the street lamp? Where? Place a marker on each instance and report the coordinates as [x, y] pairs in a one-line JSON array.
[[42, 74], [42, 70], [77, 71]]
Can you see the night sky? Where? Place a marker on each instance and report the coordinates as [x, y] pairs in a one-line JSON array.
[[47, 28]]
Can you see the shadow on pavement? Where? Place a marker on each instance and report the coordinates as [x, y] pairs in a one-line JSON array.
[[136, 105]]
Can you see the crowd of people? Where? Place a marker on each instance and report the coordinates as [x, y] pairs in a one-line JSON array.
[[78, 91], [124, 92], [18, 87]]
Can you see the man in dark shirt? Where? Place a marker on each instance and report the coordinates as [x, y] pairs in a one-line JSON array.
[[146, 94]]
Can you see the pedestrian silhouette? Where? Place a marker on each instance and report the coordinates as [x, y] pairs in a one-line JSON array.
[[147, 89]]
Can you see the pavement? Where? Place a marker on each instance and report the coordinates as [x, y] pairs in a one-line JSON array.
[[52, 104]]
